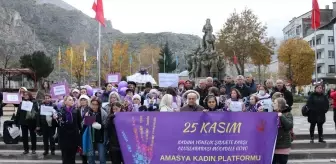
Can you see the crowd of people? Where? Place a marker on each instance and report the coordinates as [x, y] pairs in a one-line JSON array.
[[240, 94]]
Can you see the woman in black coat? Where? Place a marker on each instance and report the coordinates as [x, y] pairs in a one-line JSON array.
[[69, 120], [318, 105], [48, 126], [28, 120], [114, 146]]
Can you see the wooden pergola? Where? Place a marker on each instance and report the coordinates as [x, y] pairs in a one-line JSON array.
[[16, 72]]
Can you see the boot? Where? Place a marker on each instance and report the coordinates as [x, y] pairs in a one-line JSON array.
[[311, 139], [321, 140]]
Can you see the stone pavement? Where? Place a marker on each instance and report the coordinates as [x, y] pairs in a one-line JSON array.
[[301, 125]]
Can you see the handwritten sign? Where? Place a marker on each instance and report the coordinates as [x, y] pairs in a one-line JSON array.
[[47, 110], [168, 80], [113, 78], [60, 89], [27, 106], [236, 106], [11, 98]]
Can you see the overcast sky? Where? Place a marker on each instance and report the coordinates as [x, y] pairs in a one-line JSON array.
[[188, 16]]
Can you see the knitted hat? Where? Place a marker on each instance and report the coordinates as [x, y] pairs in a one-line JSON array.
[[136, 97], [75, 90], [87, 98]]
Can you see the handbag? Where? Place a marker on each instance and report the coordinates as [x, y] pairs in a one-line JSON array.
[[14, 131], [305, 111]]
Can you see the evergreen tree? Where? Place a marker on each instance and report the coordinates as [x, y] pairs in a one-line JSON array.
[[38, 62], [170, 63]]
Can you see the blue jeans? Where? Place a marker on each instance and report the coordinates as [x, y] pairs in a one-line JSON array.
[[102, 154]]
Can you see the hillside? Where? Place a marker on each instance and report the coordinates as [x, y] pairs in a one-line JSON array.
[[60, 25]]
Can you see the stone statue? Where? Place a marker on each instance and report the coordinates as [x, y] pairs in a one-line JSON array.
[[205, 61], [208, 37]]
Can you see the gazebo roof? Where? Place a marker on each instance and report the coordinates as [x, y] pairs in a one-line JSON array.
[[17, 71]]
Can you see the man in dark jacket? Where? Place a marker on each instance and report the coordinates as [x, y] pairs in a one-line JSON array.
[[250, 83], [242, 87], [280, 87], [229, 83], [202, 90]]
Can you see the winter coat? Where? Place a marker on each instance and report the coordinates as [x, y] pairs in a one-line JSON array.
[[68, 132], [318, 105], [253, 86], [112, 134], [1, 104], [287, 95], [101, 118], [228, 88], [243, 90], [286, 125], [203, 93], [105, 96], [28, 118], [189, 108], [333, 97]]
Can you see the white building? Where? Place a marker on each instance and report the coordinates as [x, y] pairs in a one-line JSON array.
[[325, 49], [300, 27]]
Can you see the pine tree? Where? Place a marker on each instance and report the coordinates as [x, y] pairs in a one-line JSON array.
[[169, 62]]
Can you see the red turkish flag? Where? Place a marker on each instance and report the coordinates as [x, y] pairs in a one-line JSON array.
[[98, 8], [315, 17]]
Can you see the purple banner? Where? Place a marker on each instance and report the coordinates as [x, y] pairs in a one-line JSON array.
[[197, 137]]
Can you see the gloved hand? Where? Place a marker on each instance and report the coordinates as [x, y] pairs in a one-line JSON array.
[[96, 125]]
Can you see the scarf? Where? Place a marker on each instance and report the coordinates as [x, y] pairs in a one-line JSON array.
[[68, 114]]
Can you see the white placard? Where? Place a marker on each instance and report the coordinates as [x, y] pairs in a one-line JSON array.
[[168, 80], [59, 90], [12, 97], [236, 106], [104, 104], [267, 104], [27, 106], [112, 78], [46, 110]]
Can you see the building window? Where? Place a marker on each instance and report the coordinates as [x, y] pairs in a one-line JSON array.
[[331, 54], [298, 30], [319, 55], [331, 68], [318, 41], [330, 39], [319, 69]]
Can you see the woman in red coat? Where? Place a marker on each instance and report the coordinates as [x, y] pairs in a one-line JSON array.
[[333, 97]]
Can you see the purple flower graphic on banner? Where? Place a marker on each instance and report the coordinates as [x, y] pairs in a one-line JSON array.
[[144, 132]]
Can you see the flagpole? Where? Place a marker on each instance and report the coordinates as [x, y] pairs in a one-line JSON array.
[[59, 68], [121, 58], [152, 65], [109, 59], [99, 83], [71, 56], [164, 63], [84, 71], [316, 78]]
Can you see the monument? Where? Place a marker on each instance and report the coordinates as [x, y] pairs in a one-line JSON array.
[[205, 61]]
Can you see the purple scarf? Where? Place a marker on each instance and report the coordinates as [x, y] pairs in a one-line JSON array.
[[68, 114]]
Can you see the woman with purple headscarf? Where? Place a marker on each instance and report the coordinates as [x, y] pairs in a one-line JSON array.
[[69, 120]]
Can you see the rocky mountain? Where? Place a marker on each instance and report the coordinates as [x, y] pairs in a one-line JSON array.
[[28, 25]]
